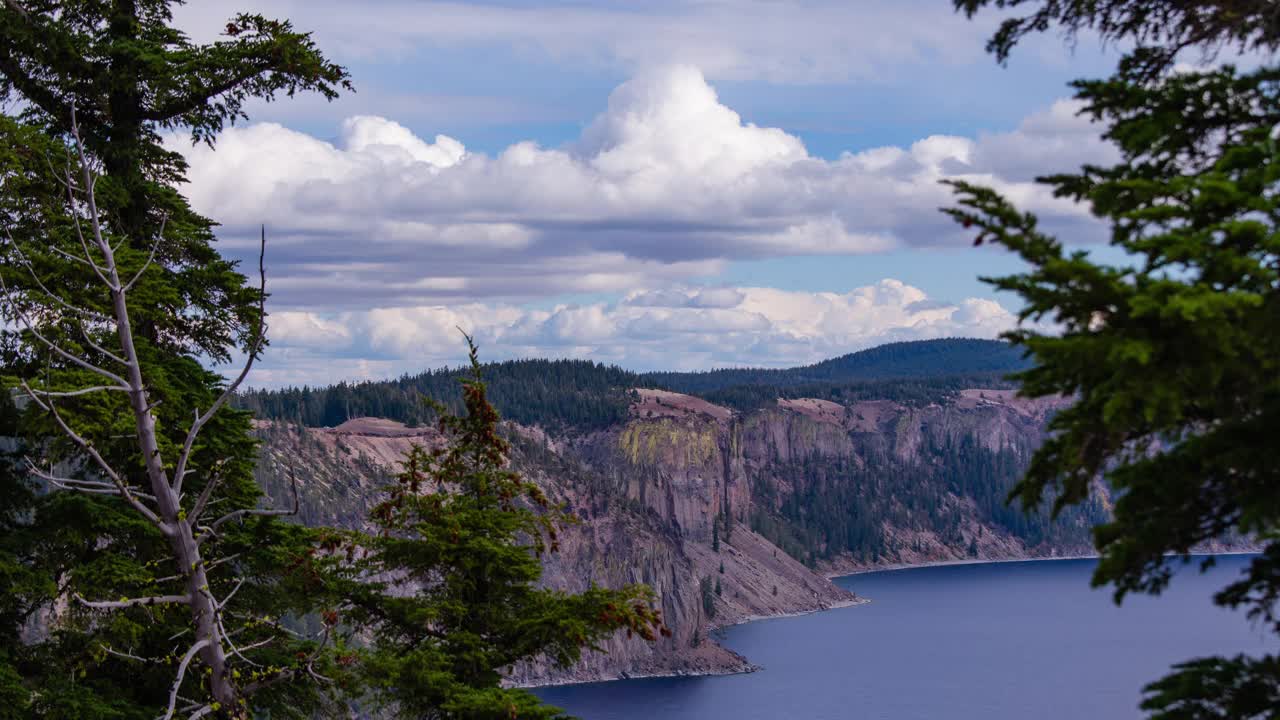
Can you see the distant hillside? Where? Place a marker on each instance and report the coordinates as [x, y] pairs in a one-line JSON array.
[[895, 361], [555, 394], [584, 395]]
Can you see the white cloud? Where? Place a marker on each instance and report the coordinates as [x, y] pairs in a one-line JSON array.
[[682, 328], [666, 185]]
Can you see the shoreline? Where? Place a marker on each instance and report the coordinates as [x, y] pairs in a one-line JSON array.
[[896, 567], [748, 669], [854, 602], [979, 561], [858, 600]]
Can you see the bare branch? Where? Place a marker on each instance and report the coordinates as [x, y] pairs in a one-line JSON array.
[[92, 487], [215, 477], [22, 317], [101, 349], [207, 566], [152, 256], [22, 259], [239, 652], [90, 183], [92, 452], [75, 258], [231, 594], [71, 203], [230, 390], [127, 656], [182, 672], [75, 393], [135, 602], [211, 528]]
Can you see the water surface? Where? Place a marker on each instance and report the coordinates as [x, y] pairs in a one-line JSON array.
[[999, 641]]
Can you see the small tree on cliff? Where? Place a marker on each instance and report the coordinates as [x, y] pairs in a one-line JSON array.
[[459, 550], [1173, 355]]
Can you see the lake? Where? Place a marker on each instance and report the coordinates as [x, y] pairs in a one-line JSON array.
[[989, 641]]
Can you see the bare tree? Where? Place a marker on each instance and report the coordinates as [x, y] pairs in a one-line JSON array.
[[187, 527]]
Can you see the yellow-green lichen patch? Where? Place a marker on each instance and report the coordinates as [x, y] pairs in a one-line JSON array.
[[652, 443]]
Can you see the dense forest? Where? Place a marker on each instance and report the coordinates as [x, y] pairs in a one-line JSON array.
[[554, 394], [585, 395], [838, 506]]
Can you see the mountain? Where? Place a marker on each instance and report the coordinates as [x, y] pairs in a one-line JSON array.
[[582, 395], [758, 489], [952, 357]]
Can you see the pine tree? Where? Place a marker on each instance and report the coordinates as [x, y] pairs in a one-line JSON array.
[[465, 534], [708, 597], [1173, 355], [105, 78]]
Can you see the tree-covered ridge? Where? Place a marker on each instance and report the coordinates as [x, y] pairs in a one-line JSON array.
[[914, 392], [586, 395], [916, 359], [550, 393]]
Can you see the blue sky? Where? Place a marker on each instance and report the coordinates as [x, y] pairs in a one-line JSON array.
[[665, 184]]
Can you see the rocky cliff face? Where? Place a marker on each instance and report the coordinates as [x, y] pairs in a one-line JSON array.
[[616, 542], [688, 497]]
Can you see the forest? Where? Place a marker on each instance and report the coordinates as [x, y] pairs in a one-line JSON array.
[[583, 395]]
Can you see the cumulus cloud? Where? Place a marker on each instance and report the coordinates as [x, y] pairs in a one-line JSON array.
[[684, 328], [665, 185]]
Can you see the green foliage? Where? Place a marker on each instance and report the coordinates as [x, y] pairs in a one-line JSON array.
[[126, 74], [1174, 355], [461, 538], [707, 588], [1160, 29], [839, 507], [1218, 688], [554, 394]]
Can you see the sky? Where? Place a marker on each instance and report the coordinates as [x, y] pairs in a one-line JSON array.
[[673, 184]]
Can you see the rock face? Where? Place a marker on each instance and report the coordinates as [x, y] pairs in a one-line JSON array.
[[675, 496]]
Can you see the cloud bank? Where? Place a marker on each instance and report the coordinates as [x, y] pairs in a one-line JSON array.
[[681, 328], [665, 186]]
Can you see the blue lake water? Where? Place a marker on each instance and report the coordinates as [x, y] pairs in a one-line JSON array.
[[964, 642]]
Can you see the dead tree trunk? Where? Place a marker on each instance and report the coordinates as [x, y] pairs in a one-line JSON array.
[[161, 501]]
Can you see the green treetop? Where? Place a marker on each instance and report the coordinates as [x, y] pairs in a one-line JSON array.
[[126, 74], [460, 541]]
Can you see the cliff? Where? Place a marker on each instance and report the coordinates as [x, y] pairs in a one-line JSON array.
[[615, 542], [687, 496]]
